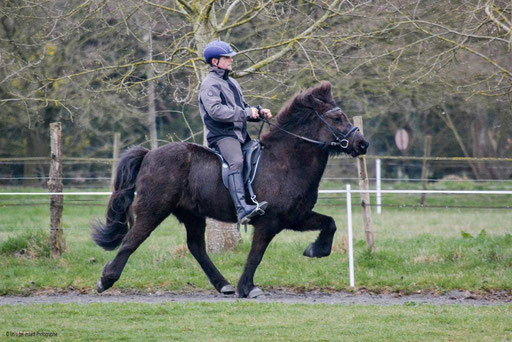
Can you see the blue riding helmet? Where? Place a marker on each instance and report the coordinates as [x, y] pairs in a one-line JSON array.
[[216, 49]]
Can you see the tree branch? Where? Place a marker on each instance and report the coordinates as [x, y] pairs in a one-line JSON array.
[[290, 45], [111, 67], [489, 10], [170, 9], [228, 13], [467, 48], [186, 6], [205, 13], [241, 21]]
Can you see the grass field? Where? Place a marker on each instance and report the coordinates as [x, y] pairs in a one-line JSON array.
[[437, 249], [418, 249], [257, 322]]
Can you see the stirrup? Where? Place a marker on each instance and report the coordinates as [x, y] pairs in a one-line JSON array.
[[260, 208]]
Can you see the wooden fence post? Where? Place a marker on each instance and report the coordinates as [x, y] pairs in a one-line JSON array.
[[115, 159], [365, 197], [57, 242], [424, 168]]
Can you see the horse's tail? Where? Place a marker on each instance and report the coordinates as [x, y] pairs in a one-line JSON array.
[[110, 235]]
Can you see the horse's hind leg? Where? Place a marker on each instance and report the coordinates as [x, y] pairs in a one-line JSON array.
[[196, 244], [323, 244], [145, 223]]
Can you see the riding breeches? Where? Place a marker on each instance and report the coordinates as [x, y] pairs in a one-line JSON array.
[[231, 150]]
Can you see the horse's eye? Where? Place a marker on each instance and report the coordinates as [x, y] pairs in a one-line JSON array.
[[338, 120]]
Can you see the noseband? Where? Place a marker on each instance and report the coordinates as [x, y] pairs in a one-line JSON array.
[[342, 139]]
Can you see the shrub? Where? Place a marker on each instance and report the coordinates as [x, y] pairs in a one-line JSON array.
[[31, 244]]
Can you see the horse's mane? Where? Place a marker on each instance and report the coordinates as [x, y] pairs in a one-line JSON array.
[[299, 109]]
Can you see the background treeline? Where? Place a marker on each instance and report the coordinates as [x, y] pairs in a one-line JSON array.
[[439, 68]]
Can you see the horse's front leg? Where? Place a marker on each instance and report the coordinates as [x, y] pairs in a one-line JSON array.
[[323, 244], [260, 240]]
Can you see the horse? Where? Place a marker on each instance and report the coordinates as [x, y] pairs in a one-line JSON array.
[[184, 179]]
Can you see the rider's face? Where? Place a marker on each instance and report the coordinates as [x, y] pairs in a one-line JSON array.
[[224, 62]]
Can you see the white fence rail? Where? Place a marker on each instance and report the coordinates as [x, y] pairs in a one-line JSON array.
[[447, 192]]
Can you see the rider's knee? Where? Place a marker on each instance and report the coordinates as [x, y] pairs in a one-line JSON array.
[[237, 164]]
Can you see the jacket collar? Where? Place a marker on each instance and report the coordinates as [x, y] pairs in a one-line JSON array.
[[224, 74]]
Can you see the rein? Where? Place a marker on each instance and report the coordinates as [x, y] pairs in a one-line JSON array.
[[343, 142]]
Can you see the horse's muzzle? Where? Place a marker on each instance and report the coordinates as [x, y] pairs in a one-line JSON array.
[[363, 146], [359, 146]]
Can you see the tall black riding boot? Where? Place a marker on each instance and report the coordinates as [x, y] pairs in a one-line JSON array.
[[244, 211]]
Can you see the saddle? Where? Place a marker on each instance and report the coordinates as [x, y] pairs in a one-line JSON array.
[[251, 152]]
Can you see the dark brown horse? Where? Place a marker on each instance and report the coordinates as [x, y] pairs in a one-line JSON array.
[[184, 179]]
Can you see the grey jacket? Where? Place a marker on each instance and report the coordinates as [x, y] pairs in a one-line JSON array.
[[220, 113]]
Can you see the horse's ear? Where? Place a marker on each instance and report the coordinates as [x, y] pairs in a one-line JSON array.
[[323, 90], [326, 86]]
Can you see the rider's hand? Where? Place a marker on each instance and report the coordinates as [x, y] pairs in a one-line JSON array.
[[254, 114], [266, 112]]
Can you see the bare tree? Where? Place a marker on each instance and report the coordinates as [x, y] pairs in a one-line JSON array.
[[447, 59]]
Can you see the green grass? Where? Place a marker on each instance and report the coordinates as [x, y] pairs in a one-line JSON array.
[[32, 243], [257, 322], [417, 249]]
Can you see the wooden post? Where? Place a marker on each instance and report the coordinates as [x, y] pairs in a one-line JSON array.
[[115, 159], [424, 169], [57, 242], [365, 197]]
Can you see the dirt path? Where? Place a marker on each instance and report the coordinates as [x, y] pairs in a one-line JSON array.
[[281, 296]]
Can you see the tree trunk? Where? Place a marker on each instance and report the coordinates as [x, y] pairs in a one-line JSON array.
[[221, 236], [34, 173], [481, 148], [151, 92], [445, 116]]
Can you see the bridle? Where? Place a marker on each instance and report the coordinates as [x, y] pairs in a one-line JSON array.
[[342, 139]]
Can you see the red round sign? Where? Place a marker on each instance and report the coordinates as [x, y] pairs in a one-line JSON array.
[[402, 139]]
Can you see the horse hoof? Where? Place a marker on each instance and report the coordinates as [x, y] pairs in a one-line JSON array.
[[309, 252], [99, 286], [255, 293], [227, 290], [312, 252]]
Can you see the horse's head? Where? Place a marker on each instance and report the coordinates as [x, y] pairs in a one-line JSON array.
[[313, 116], [333, 124]]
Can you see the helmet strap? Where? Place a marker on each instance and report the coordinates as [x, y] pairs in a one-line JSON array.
[[218, 67]]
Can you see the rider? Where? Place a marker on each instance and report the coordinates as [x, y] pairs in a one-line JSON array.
[[224, 113]]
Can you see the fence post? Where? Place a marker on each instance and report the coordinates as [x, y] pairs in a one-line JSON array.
[[365, 196], [424, 168], [378, 185], [57, 242], [350, 238], [115, 159]]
